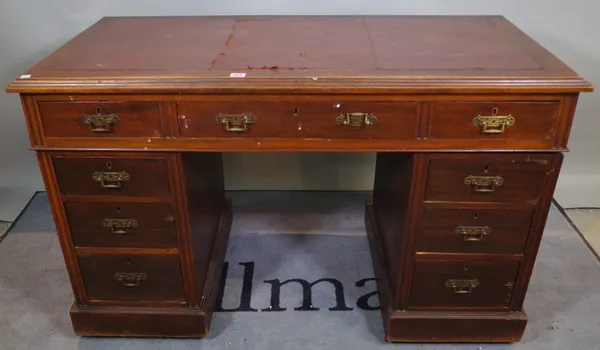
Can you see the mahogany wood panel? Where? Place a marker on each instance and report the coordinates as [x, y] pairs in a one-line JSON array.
[[135, 119], [144, 278], [496, 231], [93, 224], [523, 176], [532, 120], [495, 283], [147, 176]]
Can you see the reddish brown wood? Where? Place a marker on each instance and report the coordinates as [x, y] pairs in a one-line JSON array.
[[532, 120], [147, 175], [155, 224], [495, 284], [161, 281], [424, 78], [136, 119], [523, 176], [508, 230]]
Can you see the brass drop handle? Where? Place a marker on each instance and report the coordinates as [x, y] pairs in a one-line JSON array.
[[120, 226], [236, 122], [109, 179], [485, 184], [473, 233], [356, 120], [130, 279], [462, 286], [494, 124], [100, 123]]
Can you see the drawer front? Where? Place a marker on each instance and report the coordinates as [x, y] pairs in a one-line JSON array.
[[335, 119], [112, 176], [236, 119], [101, 119], [494, 120], [486, 177], [117, 224], [484, 231], [132, 278], [463, 284], [359, 120]]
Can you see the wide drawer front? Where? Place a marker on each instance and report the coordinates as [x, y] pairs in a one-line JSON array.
[[110, 176], [101, 119], [494, 120], [275, 119], [474, 230], [486, 177], [452, 284], [132, 278], [116, 224]]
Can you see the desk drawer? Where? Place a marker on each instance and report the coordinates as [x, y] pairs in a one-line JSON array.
[[112, 176], [494, 120], [101, 119], [486, 177], [118, 224], [275, 119], [132, 278], [474, 230], [463, 284]]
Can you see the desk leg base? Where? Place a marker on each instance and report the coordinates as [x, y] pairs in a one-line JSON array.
[[436, 326], [159, 322]]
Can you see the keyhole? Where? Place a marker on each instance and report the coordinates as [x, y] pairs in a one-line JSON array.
[[466, 267], [109, 165], [98, 110], [296, 111], [494, 111], [118, 209], [476, 216], [486, 169], [128, 261]]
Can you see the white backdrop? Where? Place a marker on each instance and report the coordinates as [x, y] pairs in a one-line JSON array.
[[31, 29]]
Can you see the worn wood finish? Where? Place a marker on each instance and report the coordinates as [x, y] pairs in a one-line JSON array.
[[93, 224], [496, 231], [132, 278], [414, 89], [135, 119]]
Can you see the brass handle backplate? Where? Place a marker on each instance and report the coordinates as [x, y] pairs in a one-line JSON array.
[[130, 279], [356, 120], [236, 122], [100, 123], [110, 179], [494, 124], [462, 286], [484, 184], [120, 226], [473, 233]]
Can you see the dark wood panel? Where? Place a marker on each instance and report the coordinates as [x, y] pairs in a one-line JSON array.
[[474, 230], [143, 176], [115, 321], [101, 119], [132, 278], [121, 224], [530, 120], [521, 177], [460, 283]]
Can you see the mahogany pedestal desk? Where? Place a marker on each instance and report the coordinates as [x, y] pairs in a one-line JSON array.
[[469, 118]]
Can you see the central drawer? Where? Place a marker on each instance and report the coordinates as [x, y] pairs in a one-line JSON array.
[[132, 278], [303, 119]]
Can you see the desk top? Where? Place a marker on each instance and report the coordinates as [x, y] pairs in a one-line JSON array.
[[300, 54]]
